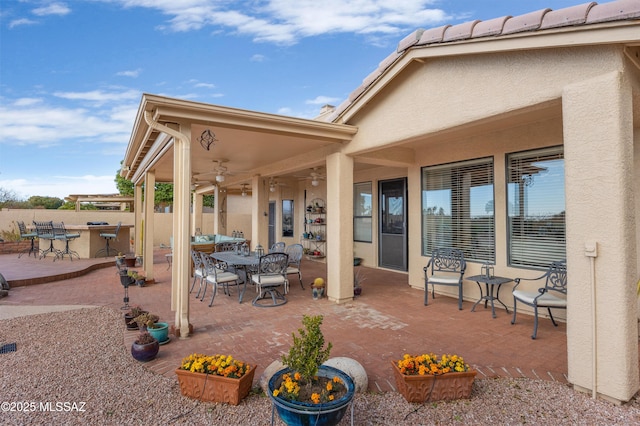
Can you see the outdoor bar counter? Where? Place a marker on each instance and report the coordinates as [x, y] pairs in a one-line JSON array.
[[90, 240]]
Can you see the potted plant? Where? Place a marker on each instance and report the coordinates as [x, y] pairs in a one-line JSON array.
[[428, 377], [215, 378], [133, 313], [159, 330], [306, 392], [137, 277], [145, 319], [145, 347], [317, 288], [119, 260]]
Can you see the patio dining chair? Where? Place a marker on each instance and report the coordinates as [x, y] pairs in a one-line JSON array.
[[295, 257], [25, 234], [446, 267], [277, 247], [552, 295], [198, 271], [217, 277], [271, 274]]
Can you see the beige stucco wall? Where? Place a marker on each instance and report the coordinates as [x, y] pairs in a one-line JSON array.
[[162, 221], [451, 109]]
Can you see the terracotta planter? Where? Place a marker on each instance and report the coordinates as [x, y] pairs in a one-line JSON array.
[[217, 389], [446, 387]]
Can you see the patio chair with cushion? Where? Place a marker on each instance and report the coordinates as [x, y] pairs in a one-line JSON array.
[[217, 277], [271, 274], [552, 295], [107, 251], [27, 235], [446, 267], [295, 257]]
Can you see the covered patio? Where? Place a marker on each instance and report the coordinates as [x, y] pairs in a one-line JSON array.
[[388, 320]]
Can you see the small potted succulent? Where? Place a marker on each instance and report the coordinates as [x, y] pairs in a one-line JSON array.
[[358, 278], [131, 315], [145, 319]]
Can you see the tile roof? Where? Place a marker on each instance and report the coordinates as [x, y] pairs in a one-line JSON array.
[[539, 20]]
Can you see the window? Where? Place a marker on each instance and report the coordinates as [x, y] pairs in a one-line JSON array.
[[535, 200], [457, 208], [362, 212], [287, 218]]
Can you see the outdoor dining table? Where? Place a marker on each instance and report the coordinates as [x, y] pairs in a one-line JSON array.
[[240, 262], [490, 283]]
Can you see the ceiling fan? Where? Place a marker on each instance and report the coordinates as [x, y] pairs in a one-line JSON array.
[[315, 176], [273, 183], [219, 169]]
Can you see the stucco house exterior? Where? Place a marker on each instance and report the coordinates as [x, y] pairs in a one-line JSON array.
[[516, 139]]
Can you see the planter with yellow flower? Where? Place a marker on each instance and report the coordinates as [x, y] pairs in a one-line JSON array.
[[215, 378], [428, 377], [307, 392]]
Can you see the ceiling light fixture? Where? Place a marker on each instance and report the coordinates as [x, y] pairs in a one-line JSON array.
[[315, 182], [244, 190], [206, 139], [219, 178]]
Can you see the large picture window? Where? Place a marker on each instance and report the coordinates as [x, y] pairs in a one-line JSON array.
[[535, 200], [362, 211], [458, 208]]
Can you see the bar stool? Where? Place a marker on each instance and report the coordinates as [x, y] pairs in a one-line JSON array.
[[45, 232], [26, 235], [60, 233], [108, 237]]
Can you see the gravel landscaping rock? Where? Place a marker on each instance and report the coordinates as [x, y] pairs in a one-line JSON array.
[[73, 368]]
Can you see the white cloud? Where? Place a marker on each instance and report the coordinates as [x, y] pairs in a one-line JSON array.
[[33, 121], [257, 58], [322, 100], [23, 21], [99, 96], [286, 21], [129, 73], [205, 85], [22, 102], [60, 9]]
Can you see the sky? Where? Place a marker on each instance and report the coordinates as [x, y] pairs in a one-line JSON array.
[[72, 72]]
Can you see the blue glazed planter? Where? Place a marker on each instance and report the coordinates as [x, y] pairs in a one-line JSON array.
[[296, 413], [144, 353], [161, 333]]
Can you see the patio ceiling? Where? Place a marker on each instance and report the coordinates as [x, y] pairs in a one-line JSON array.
[[250, 143]]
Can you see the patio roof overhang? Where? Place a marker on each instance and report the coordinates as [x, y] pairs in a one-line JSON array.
[[251, 143]]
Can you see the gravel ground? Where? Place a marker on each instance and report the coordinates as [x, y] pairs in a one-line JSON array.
[[79, 357]]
